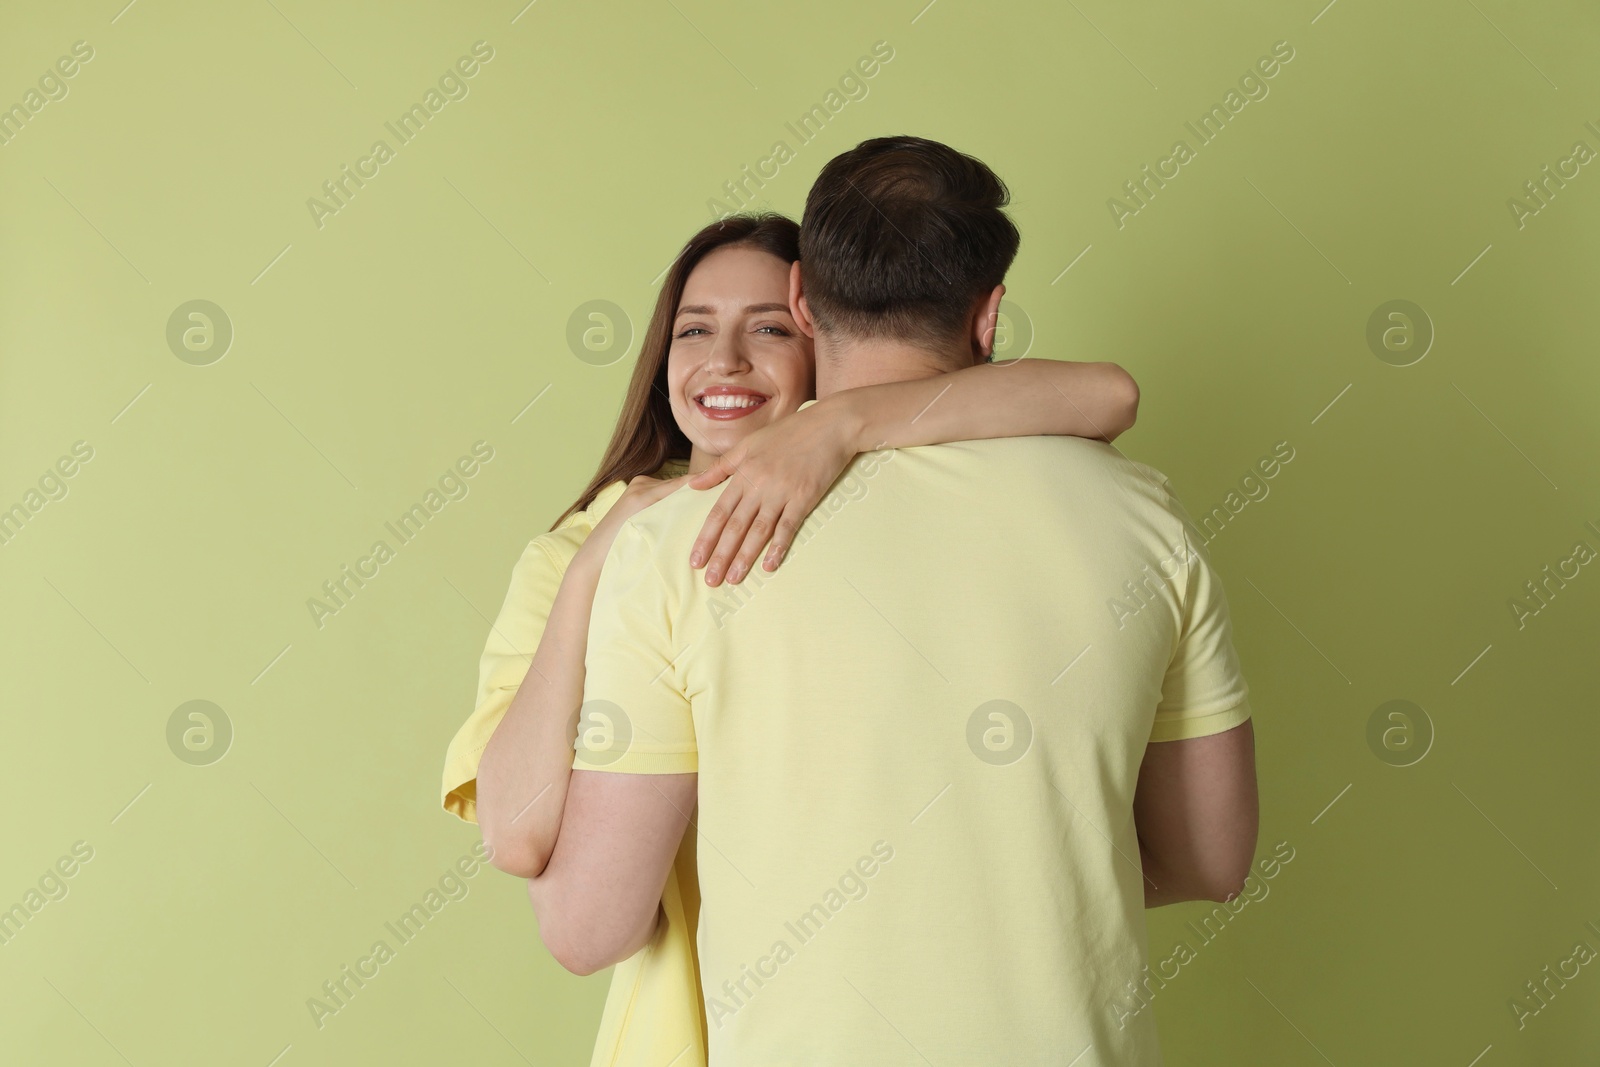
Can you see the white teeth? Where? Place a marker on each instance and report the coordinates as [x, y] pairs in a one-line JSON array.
[[728, 401]]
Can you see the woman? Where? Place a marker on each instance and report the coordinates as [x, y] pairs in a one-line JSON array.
[[716, 392]]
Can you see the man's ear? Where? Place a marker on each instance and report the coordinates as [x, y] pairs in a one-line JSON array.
[[985, 323], [797, 303]]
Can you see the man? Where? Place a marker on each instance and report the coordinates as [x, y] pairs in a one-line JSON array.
[[987, 711]]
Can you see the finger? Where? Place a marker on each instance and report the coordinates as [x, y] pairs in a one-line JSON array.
[[732, 537], [795, 514], [716, 519], [672, 485], [755, 539], [782, 537], [712, 476]]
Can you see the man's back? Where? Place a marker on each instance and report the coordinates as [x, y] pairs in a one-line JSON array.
[[917, 746]]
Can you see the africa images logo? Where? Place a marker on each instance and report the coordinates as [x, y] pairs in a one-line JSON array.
[[453, 85], [1252, 86]]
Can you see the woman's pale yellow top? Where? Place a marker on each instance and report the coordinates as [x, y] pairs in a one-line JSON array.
[[654, 1014]]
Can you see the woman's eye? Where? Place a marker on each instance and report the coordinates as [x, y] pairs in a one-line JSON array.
[[692, 330]]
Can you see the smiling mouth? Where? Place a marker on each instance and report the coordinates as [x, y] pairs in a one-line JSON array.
[[726, 406]]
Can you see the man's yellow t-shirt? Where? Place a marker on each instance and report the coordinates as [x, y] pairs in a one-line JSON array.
[[652, 1013], [917, 745]]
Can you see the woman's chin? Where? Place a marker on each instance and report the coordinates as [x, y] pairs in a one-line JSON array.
[[720, 435]]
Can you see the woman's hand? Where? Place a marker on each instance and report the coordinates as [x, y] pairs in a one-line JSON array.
[[642, 491], [776, 476]]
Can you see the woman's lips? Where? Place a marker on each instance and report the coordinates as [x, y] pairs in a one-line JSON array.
[[736, 403]]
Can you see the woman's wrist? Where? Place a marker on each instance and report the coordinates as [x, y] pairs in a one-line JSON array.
[[852, 418]]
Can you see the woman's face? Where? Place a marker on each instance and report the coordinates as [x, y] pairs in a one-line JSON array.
[[737, 360]]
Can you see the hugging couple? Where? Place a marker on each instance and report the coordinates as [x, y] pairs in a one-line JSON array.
[[931, 780]]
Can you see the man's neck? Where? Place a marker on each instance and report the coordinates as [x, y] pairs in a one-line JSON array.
[[849, 364]]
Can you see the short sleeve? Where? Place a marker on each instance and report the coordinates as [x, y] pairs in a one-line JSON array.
[[1204, 692], [512, 641], [636, 718]]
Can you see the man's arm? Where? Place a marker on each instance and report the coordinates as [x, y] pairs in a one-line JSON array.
[[599, 897], [1195, 807], [1196, 813]]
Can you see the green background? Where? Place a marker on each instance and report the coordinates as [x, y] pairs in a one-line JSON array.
[[370, 353]]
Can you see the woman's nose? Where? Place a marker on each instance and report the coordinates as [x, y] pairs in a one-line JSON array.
[[727, 351]]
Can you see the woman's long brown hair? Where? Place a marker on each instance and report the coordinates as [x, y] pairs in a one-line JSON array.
[[647, 435]]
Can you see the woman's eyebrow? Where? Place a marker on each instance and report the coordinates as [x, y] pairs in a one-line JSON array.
[[703, 309]]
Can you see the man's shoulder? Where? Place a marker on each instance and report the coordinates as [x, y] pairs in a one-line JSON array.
[[1008, 465], [676, 517], [1043, 453], [1040, 477]]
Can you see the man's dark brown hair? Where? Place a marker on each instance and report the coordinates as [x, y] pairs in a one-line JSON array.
[[900, 238]]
